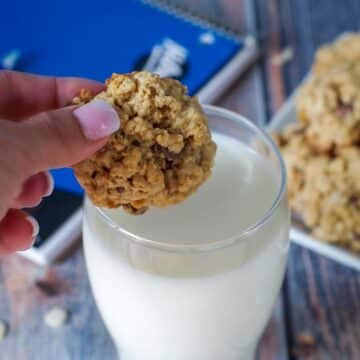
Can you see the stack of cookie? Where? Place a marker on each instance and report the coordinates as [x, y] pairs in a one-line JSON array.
[[322, 150]]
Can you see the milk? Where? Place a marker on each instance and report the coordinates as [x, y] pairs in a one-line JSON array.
[[196, 291]]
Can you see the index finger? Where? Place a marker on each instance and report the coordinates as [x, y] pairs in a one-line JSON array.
[[23, 95]]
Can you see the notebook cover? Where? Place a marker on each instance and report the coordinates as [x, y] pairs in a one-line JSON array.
[[94, 39]]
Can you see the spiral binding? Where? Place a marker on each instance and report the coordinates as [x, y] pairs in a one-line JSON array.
[[186, 15]]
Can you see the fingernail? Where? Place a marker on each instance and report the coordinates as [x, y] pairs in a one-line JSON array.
[[35, 226], [50, 181], [97, 119]]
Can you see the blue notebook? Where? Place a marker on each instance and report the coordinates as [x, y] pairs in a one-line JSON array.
[[94, 39]]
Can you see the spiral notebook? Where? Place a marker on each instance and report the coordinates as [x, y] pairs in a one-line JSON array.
[[94, 39]]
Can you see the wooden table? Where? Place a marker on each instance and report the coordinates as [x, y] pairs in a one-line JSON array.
[[318, 312]]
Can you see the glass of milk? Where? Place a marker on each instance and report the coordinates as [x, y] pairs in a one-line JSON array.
[[198, 280]]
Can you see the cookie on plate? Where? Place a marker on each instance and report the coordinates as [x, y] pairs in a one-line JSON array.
[[344, 50], [324, 189], [329, 201], [162, 152], [296, 154], [330, 108]]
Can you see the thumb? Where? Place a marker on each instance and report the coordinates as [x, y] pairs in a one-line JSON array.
[[66, 136]]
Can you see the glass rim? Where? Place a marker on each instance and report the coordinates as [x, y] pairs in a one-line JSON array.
[[237, 237]]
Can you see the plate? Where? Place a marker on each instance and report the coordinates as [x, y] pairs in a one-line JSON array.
[[298, 233]]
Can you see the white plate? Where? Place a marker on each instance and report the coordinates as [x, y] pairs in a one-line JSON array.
[[298, 233]]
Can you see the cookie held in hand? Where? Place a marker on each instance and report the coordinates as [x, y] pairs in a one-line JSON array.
[[162, 152]]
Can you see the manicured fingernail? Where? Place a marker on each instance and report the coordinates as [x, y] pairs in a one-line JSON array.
[[50, 182], [97, 119], [35, 226]]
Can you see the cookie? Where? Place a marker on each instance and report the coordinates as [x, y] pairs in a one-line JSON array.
[[329, 202], [162, 152], [324, 189], [330, 108], [344, 50], [296, 154]]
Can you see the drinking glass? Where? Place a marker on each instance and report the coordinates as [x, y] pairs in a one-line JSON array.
[[185, 282]]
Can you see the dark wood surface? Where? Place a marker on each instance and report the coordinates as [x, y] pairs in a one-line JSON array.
[[317, 315], [321, 298]]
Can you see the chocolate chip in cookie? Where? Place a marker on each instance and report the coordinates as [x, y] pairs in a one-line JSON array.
[[162, 152]]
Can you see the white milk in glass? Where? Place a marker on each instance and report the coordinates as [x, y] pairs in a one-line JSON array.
[[172, 303]]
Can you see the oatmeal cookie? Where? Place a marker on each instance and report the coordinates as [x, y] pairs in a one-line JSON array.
[[296, 154], [324, 190], [344, 50], [160, 155], [329, 202], [330, 107]]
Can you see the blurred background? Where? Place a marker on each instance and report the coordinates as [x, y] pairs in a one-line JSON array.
[[318, 312]]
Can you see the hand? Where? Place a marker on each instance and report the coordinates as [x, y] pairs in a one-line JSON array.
[[38, 133]]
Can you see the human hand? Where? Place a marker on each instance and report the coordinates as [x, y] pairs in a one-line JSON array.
[[38, 133]]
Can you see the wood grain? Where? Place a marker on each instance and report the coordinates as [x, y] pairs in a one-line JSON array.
[[324, 299], [23, 305], [245, 96], [321, 297]]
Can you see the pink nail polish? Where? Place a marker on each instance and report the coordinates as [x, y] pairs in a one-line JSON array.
[[34, 225], [50, 181], [97, 119]]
